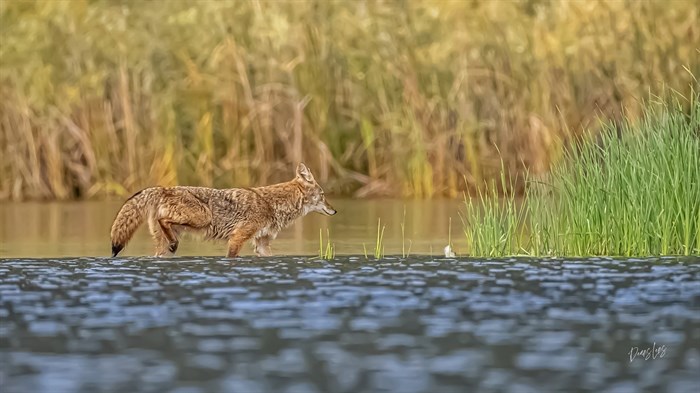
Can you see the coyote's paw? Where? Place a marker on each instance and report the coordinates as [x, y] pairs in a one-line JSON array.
[[172, 247]]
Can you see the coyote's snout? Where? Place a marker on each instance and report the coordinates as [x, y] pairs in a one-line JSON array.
[[235, 214]]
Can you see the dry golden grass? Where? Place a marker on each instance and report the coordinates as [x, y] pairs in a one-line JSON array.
[[412, 98]]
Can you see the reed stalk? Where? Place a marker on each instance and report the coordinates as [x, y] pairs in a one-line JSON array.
[[416, 98]]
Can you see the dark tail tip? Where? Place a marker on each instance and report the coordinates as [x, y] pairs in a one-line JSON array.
[[115, 249]]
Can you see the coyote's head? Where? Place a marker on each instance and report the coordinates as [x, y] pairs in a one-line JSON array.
[[314, 199]]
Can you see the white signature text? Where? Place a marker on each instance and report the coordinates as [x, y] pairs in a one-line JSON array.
[[653, 352]]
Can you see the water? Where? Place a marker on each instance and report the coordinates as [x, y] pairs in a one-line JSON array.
[[298, 324], [71, 229], [348, 325]]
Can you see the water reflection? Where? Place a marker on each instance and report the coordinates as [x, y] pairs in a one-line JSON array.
[[82, 229]]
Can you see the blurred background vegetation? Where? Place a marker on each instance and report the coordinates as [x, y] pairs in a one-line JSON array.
[[401, 98]]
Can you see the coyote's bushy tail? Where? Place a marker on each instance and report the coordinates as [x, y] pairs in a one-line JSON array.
[[129, 218]]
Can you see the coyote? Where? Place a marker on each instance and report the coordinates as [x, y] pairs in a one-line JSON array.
[[234, 214]]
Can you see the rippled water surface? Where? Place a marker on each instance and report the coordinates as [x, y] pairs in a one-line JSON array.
[[349, 325]]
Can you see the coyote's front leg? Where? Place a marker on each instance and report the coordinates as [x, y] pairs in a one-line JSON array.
[[239, 236], [262, 246]]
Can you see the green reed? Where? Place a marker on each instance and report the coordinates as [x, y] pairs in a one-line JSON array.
[[415, 98], [325, 250], [378, 251], [493, 224], [379, 242], [633, 190]]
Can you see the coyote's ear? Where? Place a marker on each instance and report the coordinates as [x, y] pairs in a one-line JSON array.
[[304, 173]]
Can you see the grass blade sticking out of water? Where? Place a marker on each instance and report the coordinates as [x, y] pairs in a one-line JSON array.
[[632, 191], [449, 233], [404, 253], [326, 251], [403, 233], [330, 248], [379, 245]]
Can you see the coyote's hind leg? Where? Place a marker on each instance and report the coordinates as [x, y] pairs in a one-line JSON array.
[[166, 226], [160, 243], [183, 211]]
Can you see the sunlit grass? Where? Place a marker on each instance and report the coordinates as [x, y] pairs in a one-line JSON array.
[[325, 250], [402, 98], [493, 224], [632, 191], [379, 243], [378, 251]]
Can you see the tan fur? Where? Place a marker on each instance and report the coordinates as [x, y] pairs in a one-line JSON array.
[[235, 214]]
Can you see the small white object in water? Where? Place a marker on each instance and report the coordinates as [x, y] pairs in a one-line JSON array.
[[448, 252]]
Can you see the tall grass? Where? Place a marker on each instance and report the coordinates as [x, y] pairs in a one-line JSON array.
[[493, 224], [635, 190], [415, 98]]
